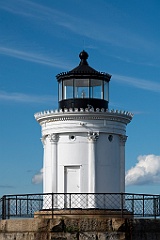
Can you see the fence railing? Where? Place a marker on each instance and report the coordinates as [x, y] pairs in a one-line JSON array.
[[124, 204]]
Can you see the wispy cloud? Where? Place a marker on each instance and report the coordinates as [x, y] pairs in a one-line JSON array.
[[33, 57], [38, 178], [26, 98], [22, 7], [146, 171], [115, 34], [137, 82], [130, 60], [6, 186]]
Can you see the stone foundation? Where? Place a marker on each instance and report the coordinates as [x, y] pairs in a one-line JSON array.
[[80, 229]]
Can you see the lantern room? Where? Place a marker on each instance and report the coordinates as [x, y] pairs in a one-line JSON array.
[[83, 87]]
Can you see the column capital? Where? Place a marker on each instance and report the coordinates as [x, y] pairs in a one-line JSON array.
[[93, 136], [123, 139], [53, 137], [43, 139]]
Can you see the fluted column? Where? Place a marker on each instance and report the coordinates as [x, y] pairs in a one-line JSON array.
[[46, 199], [54, 140], [43, 139], [122, 141], [92, 137]]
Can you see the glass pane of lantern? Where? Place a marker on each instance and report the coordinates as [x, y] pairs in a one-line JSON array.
[[81, 88], [68, 89], [106, 91], [60, 90], [96, 88]]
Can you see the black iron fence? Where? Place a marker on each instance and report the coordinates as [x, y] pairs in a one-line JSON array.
[[121, 204]]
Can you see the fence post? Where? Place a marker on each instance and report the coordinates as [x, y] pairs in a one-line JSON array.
[[31, 208], [122, 205], [52, 203], [16, 206], [70, 201], [132, 204], [20, 210], [27, 205], [104, 200], [143, 205], [4, 207], [155, 207], [159, 205], [8, 208]]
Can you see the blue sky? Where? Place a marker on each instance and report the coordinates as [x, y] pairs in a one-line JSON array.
[[41, 38]]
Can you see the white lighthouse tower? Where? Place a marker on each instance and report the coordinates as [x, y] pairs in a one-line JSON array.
[[84, 141]]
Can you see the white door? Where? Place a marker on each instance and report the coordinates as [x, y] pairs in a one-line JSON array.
[[72, 185], [72, 179]]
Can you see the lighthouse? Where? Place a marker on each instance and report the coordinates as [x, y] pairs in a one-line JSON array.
[[83, 141]]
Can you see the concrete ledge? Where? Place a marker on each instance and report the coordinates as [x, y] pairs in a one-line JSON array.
[[82, 213]]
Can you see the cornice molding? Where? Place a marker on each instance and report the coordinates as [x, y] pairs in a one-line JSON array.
[[83, 114]]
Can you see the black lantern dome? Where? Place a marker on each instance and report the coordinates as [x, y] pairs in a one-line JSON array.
[[83, 87]]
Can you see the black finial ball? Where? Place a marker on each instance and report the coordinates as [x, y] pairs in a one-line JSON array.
[[83, 55]]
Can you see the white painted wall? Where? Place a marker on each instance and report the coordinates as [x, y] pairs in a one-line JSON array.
[[81, 141]]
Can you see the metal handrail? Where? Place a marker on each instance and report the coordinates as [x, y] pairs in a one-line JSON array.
[[125, 204]]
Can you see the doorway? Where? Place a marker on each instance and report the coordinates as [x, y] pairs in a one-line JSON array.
[[72, 179]]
